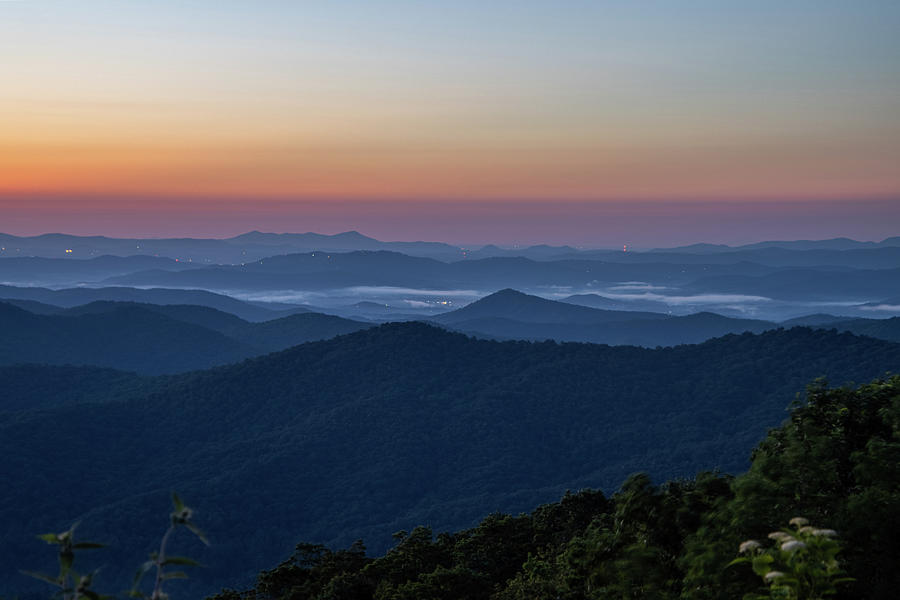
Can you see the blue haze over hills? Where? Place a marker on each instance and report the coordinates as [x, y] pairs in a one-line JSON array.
[[353, 388]]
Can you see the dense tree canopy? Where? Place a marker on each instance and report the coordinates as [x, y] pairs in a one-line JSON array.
[[836, 460]]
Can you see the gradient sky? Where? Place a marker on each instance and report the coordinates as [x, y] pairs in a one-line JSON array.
[[464, 121]]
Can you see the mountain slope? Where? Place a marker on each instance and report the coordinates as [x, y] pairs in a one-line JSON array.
[[514, 305], [126, 337], [323, 270], [56, 271], [393, 426], [78, 296], [690, 329], [803, 284], [153, 339]]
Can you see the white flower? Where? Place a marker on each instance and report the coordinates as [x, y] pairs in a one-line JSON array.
[[799, 521], [825, 532], [748, 546], [773, 575], [780, 536], [792, 545], [807, 529]]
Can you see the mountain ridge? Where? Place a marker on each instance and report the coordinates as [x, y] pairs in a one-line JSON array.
[[394, 426]]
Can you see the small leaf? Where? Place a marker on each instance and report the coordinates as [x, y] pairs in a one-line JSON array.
[[87, 545], [196, 531], [49, 579], [175, 575], [179, 505], [50, 538]]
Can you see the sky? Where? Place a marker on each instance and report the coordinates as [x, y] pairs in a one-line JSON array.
[[509, 122]]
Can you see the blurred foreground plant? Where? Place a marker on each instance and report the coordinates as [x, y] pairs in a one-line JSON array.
[[801, 565], [71, 584], [74, 586], [181, 517]]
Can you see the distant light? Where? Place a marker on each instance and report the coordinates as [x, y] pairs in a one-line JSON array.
[[68, 251]]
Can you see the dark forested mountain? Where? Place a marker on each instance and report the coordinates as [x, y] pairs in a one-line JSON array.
[[668, 541], [204, 316], [153, 339], [314, 270], [832, 244], [883, 257], [870, 258], [800, 284], [78, 296], [34, 306], [767, 281], [814, 320], [606, 303], [347, 241], [126, 337], [255, 245], [516, 306], [670, 331], [242, 248], [380, 430], [322, 270], [41, 387], [883, 329], [47, 271], [509, 314], [800, 245]]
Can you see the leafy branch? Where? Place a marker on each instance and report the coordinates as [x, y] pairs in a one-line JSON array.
[[801, 565], [71, 584], [181, 517]]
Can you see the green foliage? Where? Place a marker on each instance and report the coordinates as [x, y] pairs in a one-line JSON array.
[[801, 564], [182, 516], [75, 586], [71, 584], [837, 460], [672, 541], [386, 429]]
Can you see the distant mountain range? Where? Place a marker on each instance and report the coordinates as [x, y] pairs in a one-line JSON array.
[[247, 247], [509, 314], [152, 339], [800, 284], [376, 431], [318, 270], [841, 243], [335, 273], [255, 245], [47, 271], [175, 338], [514, 305], [67, 298]]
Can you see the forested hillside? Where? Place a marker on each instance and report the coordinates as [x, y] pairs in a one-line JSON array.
[[153, 339], [381, 430], [836, 462]]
